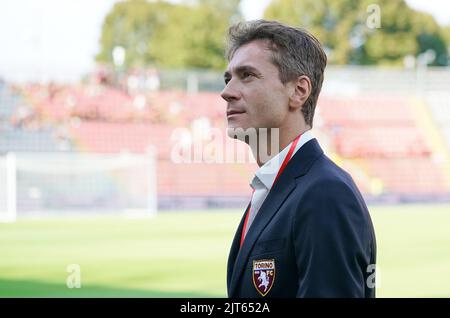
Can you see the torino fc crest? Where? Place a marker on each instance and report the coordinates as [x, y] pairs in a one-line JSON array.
[[263, 275]]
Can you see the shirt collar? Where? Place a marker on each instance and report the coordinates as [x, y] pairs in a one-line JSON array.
[[267, 173]]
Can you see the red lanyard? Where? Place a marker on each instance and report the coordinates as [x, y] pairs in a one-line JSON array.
[[283, 165]]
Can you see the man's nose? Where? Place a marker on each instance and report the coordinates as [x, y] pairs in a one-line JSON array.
[[229, 93]]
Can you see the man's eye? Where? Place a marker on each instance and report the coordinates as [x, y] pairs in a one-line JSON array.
[[226, 81], [246, 74]]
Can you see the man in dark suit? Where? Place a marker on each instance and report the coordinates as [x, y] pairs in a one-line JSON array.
[[307, 231]]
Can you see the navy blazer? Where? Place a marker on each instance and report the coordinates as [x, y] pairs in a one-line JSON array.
[[312, 237]]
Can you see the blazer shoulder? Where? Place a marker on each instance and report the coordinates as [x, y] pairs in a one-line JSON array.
[[327, 183], [325, 172]]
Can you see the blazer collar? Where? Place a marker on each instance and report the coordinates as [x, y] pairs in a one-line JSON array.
[[268, 172], [298, 166]]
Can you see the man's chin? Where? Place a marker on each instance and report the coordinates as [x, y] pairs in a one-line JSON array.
[[231, 130], [242, 133]]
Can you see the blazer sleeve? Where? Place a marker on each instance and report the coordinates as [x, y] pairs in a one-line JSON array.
[[331, 239]]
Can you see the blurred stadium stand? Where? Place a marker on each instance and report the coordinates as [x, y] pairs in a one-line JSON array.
[[389, 128]]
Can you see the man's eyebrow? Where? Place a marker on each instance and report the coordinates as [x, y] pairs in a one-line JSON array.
[[240, 69], [247, 68]]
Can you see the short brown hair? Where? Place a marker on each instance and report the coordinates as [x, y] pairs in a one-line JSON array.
[[295, 52]]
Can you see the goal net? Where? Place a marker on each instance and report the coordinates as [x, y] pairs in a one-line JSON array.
[[39, 184]]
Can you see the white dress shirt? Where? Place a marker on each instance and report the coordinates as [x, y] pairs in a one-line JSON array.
[[264, 177]]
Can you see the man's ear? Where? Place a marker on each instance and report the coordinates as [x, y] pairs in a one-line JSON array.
[[302, 88]]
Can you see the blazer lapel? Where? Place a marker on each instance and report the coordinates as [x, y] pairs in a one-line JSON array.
[[298, 166], [234, 250]]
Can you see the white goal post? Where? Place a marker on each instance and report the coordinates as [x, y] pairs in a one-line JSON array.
[[62, 183], [8, 188]]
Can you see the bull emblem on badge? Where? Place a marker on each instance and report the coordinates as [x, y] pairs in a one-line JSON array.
[[263, 275]]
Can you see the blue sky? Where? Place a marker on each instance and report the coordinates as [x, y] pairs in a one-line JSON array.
[[57, 39]]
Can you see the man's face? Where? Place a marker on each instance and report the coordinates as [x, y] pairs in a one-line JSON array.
[[256, 98]]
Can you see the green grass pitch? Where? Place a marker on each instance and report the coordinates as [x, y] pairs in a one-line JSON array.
[[184, 254]]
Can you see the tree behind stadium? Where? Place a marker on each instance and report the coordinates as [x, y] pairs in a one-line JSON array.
[[168, 35], [342, 27]]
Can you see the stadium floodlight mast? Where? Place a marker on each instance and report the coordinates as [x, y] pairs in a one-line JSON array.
[[118, 54], [423, 60]]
